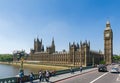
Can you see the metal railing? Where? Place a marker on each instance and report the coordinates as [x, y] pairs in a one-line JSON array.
[[9, 80], [36, 76]]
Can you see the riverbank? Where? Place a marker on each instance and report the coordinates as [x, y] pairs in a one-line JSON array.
[[36, 66]]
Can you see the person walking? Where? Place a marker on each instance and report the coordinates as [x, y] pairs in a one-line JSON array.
[[40, 75], [71, 70], [80, 68], [21, 75], [53, 73], [31, 77], [47, 75], [43, 76]]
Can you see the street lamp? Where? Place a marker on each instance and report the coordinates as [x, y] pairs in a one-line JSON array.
[[20, 55], [21, 65], [93, 60]]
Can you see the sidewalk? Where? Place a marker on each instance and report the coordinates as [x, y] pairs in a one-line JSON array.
[[65, 76]]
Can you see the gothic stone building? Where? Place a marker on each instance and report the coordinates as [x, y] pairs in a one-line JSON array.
[[79, 54]]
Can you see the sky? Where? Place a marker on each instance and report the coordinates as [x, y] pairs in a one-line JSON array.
[[66, 20]]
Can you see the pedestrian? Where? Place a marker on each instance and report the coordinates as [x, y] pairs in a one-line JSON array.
[[43, 76], [40, 75], [47, 76], [31, 77], [80, 68], [71, 70], [53, 73], [21, 75]]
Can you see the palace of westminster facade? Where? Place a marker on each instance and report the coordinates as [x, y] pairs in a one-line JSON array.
[[78, 55]]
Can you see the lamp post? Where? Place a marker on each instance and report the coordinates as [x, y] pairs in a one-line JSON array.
[[20, 55], [93, 60], [21, 65]]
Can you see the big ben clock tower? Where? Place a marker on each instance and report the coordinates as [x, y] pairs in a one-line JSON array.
[[108, 43]]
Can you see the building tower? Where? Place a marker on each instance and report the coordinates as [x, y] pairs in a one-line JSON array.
[[72, 53], [35, 44], [53, 46], [38, 45], [85, 53], [108, 43]]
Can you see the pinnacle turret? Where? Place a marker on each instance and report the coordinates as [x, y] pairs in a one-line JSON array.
[[108, 25]]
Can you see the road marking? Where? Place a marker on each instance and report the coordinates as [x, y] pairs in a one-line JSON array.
[[118, 78], [98, 77]]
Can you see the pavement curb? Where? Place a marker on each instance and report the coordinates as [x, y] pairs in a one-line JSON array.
[[73, 76]]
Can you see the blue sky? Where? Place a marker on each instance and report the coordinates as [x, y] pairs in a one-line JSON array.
[[66, 20]]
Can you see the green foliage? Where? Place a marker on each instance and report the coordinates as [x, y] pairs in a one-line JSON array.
[[116, 58], [6, 57], [102, 62]]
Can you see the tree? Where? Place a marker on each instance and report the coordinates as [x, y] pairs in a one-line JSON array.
[[6, 57], [116, 58], [102, 62]]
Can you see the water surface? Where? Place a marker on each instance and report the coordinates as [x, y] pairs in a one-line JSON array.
[[11, 71]]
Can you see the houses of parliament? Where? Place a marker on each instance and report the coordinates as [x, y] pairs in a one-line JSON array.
[[79, 54]]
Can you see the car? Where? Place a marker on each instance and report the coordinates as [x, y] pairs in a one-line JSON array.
[[114, 70], [113, 63], [102, 68]]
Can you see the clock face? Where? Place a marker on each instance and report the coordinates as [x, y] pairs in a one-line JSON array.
[[107, 35]]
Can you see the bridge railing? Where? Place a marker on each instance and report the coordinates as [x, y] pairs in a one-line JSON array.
[[36, 76], [26, 78], [9, 80], [68, 70]]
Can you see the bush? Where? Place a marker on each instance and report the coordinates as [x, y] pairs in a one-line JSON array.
[[102, 62], [6, 57]]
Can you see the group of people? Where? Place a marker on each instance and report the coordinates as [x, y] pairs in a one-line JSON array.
[[44, 76], [72, 70], [21, 75]]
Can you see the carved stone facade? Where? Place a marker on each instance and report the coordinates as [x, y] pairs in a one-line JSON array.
[[78, 54], [108, 43]]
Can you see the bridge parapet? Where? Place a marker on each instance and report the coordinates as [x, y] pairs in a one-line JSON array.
[[26, 78], [9, 80], [17, 79]]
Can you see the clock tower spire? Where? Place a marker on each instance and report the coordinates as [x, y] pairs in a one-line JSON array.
[[108, 25], [108, 43]]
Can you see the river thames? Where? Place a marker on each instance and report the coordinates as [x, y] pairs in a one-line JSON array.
[[11, 71]]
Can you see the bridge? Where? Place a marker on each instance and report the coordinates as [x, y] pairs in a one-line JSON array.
[[59, 75]]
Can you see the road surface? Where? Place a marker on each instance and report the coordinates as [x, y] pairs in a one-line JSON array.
[[95, 77]]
